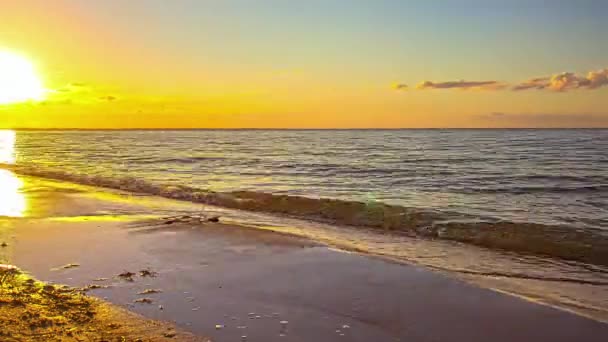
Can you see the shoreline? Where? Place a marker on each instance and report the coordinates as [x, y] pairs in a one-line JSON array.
[[560, 242]]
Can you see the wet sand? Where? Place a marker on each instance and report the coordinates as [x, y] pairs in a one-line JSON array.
[[227, 281]]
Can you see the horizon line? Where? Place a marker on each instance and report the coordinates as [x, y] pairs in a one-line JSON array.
[[287, 129]]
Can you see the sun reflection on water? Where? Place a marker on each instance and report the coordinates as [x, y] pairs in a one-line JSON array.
[[7, 147], [12, 200]]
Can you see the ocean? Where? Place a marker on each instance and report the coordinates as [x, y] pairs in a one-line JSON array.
[[551, 177], [524, 211]]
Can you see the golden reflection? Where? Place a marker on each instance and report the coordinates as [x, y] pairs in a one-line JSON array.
[[7, 147], [12, 200]]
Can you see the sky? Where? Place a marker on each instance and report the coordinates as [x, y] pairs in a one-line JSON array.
[[310, 64]]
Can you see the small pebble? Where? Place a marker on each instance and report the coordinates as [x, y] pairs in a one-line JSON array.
[[242, 327], [258, 317], [196, 308], [160, 307], [218, 326], [284, 322], [346, 326], [244, 337]]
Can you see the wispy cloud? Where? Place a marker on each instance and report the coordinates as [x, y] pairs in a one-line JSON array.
[[566, 81], [480, 85], [75, 87]]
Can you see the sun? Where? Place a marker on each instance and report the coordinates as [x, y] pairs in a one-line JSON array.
[[18, 79]]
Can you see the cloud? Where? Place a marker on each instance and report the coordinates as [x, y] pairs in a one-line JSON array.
[[74, 87], [535, 83], [566, 81], [546, 120], [108, 98], [561, 82], [481, 85]]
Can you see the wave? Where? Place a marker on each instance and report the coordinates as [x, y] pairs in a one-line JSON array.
[[535, 189], [568, 243]]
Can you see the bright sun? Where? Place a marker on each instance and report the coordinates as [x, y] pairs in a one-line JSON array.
[[18, 79]]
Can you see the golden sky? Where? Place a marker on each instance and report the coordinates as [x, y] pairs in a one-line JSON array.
[[319, 64]]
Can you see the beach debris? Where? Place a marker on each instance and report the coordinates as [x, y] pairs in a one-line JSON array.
[[70, 265], [94, 287], [100, 279], [190, 219], [5, 267], [219, 326], [147, 273], [128, 276], [3, 244], [149, 291], [241, 327], [160, 307], [170, 334], [144, 300], [196, 308], [284, 322], [345, 326], [190, 299]]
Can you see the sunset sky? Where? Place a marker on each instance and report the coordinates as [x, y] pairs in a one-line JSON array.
[[310, 64]]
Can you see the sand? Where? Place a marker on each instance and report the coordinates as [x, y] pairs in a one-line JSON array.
[[227, 281], [34, 311]]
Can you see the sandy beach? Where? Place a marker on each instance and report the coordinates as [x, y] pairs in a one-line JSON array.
[[226, 281]]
